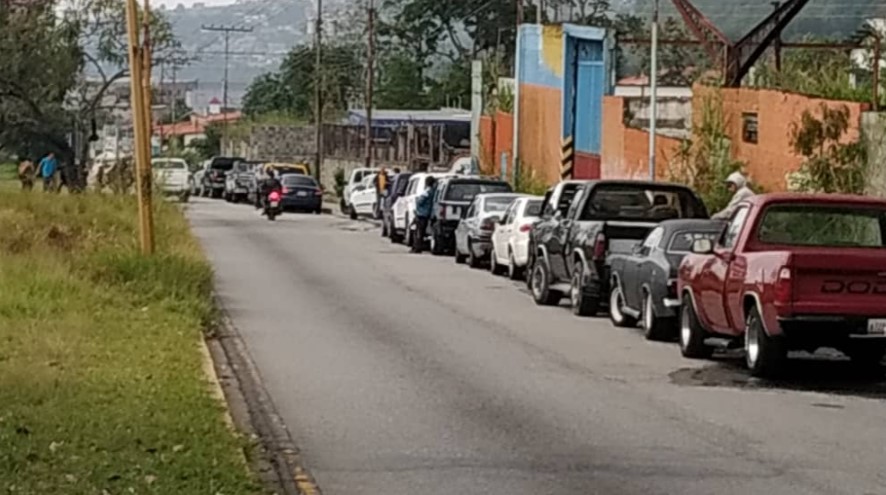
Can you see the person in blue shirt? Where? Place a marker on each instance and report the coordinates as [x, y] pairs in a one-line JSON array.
[[47, 168], [424, 205]]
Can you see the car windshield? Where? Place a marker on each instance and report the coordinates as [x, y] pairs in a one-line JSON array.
[[223, 164], [169, 165], [533, 208], [496, 204], [299, 180], [823, 226], [642, 202], [682, 241], [289, 170], [241, 167], [467, 191]]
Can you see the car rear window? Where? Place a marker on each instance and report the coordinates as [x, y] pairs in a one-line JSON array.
[[492, 205], [681, 241], [533, 208], [642, 202], [823, 226], [299, 180], [222, 164], [467, 191]]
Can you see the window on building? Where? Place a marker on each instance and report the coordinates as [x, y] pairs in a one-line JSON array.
[[749, 127]]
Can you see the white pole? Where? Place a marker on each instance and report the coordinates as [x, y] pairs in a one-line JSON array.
[[653, 93]]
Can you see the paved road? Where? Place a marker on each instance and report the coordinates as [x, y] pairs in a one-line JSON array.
[[409, 375]]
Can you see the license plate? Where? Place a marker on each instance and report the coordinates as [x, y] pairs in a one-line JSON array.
[[274, 204], [876, 327], [301, 193]]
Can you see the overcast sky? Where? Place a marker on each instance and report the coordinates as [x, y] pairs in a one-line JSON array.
[[188, 3]]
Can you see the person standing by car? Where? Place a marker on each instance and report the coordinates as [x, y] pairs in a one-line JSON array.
[[48, 167], [738, 186], [381, 190], [423, 206]]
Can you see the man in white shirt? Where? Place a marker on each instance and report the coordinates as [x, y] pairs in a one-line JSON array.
[[738, 186]]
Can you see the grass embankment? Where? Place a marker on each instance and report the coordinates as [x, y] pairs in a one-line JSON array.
[[102, 388]]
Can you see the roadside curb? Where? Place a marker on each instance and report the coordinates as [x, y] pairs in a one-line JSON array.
[[334, 211], [278, 461]]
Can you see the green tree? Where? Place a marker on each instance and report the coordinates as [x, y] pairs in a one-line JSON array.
[[400, 83]]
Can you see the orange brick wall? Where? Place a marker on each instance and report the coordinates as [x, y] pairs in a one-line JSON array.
[[540, 131], [487, 144], [772, 157], [496, 137], [625, 150]]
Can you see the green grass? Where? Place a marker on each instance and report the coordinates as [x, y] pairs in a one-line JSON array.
[[8, 171], [102, 387]]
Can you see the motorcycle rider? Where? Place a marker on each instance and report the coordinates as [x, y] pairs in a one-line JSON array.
[[269, 185]]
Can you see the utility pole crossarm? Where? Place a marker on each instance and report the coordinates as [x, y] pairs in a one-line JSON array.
[[713, 40], [745, 53]]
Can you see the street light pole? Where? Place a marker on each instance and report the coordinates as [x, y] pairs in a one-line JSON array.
[[653, 92]]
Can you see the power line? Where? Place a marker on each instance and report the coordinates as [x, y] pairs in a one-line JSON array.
[[226, 31]]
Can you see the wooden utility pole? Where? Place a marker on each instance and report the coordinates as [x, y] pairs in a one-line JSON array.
[[139, 66], [318, 89], [226, 30], [370, 76], [878, 54]]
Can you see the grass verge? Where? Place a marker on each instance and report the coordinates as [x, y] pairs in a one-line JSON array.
[[101, 381]]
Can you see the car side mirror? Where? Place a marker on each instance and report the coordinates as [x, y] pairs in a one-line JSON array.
[[702, 246]]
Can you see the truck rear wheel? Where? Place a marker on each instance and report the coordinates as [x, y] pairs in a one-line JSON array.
[[692, 334], [765, 355], [582, 303], [616, 308]]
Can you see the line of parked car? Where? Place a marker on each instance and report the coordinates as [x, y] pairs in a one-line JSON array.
[[785, 272]]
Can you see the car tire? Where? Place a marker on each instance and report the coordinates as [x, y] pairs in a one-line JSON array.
[[616, 308], [655, 328], [394, 236], [352, 213], [765, 355], [437, 245], [541, 285], [582, 304], [692, 334], [473, 260], [514, 272], [459, 258], [867, 356], [530, 268], [494, 267]]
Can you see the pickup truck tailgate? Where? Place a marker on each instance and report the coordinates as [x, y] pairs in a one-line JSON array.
[[623, 236], [850, 282]]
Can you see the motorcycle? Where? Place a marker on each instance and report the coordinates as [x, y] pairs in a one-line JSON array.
[[272, 207]]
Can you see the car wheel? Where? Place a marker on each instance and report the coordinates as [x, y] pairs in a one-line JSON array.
[[616, 308], [582, 304], [459, 258], [494, 267], [692, 334], [473, 260], [764, 355], [866, 355], [395, 236], [514, 272], [655, 328], [436, 245], [541, 285], [530, 269], [352, 213]]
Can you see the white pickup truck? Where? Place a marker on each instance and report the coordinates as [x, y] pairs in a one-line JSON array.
[[173, 177]]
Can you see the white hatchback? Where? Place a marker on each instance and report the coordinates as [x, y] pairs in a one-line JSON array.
[[510, 240]]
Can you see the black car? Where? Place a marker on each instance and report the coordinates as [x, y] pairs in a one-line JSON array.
[[214, 178], [605, 218], [454, 196], [644, 281], [399, 183], [301, 193]]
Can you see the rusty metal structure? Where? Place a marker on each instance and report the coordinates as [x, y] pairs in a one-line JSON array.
[[738, 57]]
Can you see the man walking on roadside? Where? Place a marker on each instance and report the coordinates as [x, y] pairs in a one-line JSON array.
[[48, 167], [738, 186], [423, 206]]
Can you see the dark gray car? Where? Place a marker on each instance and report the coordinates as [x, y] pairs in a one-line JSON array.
[[644, 281]]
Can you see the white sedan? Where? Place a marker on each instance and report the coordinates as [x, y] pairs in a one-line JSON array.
[[510, 240], [172, 177], [363, 198]]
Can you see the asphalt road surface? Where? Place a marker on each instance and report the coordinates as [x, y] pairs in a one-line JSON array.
[[400, 374]]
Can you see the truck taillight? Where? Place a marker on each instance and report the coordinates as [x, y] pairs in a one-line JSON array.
[[488, 224], [784, 288], [526, 227], [600, 247]]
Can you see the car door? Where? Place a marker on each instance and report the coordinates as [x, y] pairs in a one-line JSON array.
[[712, 286], [503, 230], [636, 264], [461, 232], [402, 205]]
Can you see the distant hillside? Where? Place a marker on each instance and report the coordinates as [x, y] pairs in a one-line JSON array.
[[837, 19]]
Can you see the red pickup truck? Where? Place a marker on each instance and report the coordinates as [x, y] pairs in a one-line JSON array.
[[789, 272]]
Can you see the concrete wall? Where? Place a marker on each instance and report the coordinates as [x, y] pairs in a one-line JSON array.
[[273, 143], [625, 150], [772, 157], [496, 138], [874, 131]]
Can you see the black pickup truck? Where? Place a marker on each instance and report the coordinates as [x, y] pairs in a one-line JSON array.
[[570, 249]]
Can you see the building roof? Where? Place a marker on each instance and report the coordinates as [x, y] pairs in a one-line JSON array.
[[197, 124], [444, 115]]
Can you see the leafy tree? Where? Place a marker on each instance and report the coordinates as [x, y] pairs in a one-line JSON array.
[[831, 165], [400, 83]]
